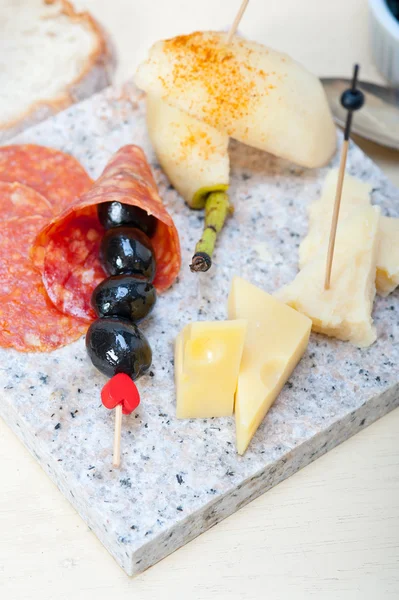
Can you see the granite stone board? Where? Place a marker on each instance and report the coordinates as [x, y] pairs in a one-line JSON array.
[[178, 478]]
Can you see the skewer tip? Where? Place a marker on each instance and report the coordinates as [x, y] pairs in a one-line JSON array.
[[356, 68]]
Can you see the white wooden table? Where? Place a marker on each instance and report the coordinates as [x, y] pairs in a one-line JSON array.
[[331, 532]]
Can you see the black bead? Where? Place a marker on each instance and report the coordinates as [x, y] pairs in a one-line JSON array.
[[115, 214], [393, 6], [124, 296], [125, 250], [352, 99], [118, 346]]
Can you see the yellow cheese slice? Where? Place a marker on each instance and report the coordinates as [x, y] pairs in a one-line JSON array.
[[276, 339], [207, 362], [355, 195], [344, 310]]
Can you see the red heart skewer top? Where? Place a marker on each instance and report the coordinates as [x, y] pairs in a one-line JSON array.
[[121, 389]]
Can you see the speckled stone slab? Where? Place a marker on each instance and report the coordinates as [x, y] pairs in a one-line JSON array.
[[178, 478]]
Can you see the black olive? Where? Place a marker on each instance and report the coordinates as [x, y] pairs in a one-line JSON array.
[[115, 214], [124, 296], [127, 250], [118, 346]]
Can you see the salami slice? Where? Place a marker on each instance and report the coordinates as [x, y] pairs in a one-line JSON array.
[[28, 321], [57, 176], [70, 266], [20, 201]]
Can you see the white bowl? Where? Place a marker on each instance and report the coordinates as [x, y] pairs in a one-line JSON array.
[[384, 35]]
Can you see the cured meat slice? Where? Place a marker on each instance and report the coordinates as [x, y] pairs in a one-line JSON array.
[[57, 176], [71, 266], [20, 201], [70, 278], [28, 321]]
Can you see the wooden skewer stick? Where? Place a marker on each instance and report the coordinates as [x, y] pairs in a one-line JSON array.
[[352, 99], [337, 206], [117, 436], [120, 393], [237, 20]]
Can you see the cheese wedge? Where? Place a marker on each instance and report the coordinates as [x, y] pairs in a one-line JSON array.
[[387, 279], [276, 339], [245, 90], [193, 155], [355, 195], [207, 362], [344, 310]]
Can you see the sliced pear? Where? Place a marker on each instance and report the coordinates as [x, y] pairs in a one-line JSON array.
[[246, 91], [193, 155]]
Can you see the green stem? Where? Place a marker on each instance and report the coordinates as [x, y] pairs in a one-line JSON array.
[[217, 207]]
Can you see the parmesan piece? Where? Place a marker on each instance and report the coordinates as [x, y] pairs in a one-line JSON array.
[[344, 310], [355, 195], [388, 256]]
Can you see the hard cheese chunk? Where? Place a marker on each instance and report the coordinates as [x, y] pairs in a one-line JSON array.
[[207, 362], [355, 195], [277, 337], [344, 310], [193, 155], [388, 256]]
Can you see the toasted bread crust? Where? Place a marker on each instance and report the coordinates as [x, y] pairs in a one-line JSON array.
[[94, 77]]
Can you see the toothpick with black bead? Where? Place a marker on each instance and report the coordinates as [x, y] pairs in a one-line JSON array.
[[352, 99]]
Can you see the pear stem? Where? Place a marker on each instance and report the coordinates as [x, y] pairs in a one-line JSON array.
[[217, 207]]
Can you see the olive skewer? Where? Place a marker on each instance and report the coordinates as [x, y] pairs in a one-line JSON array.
[[114, 343]]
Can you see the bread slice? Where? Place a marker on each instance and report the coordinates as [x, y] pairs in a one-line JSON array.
[[51, 56]]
